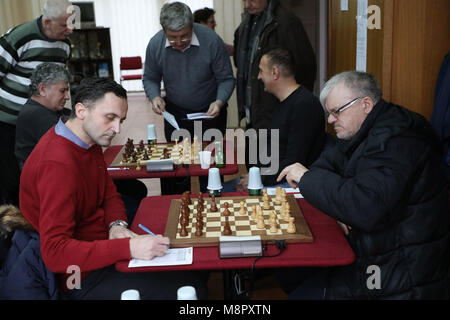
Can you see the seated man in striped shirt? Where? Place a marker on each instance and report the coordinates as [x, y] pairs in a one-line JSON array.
[[22, 49]]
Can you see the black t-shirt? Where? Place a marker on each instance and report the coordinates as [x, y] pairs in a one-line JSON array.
[[300, 120]]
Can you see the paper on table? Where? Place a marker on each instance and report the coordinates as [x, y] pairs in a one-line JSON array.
[[170, 119], [198, 115], [173, 257]]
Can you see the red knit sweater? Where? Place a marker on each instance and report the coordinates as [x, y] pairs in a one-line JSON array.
[[68, 197]]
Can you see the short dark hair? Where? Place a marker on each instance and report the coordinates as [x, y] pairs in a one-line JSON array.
[[282, 58], [91, 90], [202, 15]]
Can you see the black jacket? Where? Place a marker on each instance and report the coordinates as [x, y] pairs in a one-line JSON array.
[[281, 29], [387, 183]]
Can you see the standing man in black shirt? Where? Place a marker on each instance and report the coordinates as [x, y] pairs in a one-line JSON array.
[[299, 116]]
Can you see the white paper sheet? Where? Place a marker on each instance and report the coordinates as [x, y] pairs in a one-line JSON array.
[[171, 119], [361, 36], [296, 192], [344, 5], [173, 257], [197, 116]]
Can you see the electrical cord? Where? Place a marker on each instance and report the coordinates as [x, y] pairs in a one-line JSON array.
[[281, 245]]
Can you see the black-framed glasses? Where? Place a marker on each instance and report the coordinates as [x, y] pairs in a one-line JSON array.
[[336, 112]]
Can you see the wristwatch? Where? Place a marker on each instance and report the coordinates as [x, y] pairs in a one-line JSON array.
[[118, 223]]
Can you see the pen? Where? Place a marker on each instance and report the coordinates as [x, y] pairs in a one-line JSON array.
[[148, 231], [114, 168], [145, 229]]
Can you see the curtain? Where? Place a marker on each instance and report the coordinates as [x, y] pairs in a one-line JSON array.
[[15, 12]]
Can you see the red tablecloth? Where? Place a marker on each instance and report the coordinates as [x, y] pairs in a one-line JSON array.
[[193, 170], [330, 248]]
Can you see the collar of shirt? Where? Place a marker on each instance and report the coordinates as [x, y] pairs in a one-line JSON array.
[[194, 42], [62, 130]]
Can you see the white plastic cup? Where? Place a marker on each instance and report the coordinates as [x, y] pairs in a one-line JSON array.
[[214, 182], [186, 293], [131, 294], [205, 159], [254, 179], [151, 133]]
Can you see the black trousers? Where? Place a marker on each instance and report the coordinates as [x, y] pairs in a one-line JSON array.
[[9, 168], [180, 185], [108, 284]]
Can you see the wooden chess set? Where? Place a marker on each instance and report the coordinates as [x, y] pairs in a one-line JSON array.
[[137, 155], [198, 222]]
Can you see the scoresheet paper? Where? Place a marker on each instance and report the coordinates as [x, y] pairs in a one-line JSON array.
[[173, 257]]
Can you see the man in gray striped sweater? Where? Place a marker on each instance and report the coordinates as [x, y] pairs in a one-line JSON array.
[[22, 49]]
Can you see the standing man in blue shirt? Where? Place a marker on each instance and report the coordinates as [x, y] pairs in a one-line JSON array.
[[194, 63]]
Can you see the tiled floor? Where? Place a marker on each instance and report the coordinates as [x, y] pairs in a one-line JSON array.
[[139, 116]]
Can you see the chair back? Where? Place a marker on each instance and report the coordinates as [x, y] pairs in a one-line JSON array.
[[130, 63]]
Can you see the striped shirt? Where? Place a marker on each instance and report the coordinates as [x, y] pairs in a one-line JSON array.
[[22, 49]]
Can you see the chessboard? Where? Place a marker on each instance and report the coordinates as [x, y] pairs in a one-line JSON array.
[[134, 155], [238, 223]]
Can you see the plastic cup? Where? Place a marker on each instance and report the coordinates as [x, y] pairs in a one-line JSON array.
[[130, 295], [254, 181], [205, 159], [151, 134], [186, 293], [214, 182]]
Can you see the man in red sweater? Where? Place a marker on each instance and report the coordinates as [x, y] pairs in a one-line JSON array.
[[68, 197]]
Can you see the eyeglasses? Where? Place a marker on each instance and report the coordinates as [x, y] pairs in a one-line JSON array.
[[183, 41], [336, 112]]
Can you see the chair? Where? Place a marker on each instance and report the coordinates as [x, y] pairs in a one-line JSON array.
[[130, 63]]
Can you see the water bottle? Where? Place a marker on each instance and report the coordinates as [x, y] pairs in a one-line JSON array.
[[219, 154]]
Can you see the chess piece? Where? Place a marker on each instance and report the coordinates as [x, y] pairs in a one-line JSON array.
[[273, 228], [253, 216], [200, 221], [183, 231], [266, 202], [260, 223], [226, 212], [277, 200], [227, 228], [242, 211], [138, 167], [291, 226], [187, 197], [200, 208], [198, 229], [200, 197], [183, 220], [286, 212], [259, 212], [213, 204]]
